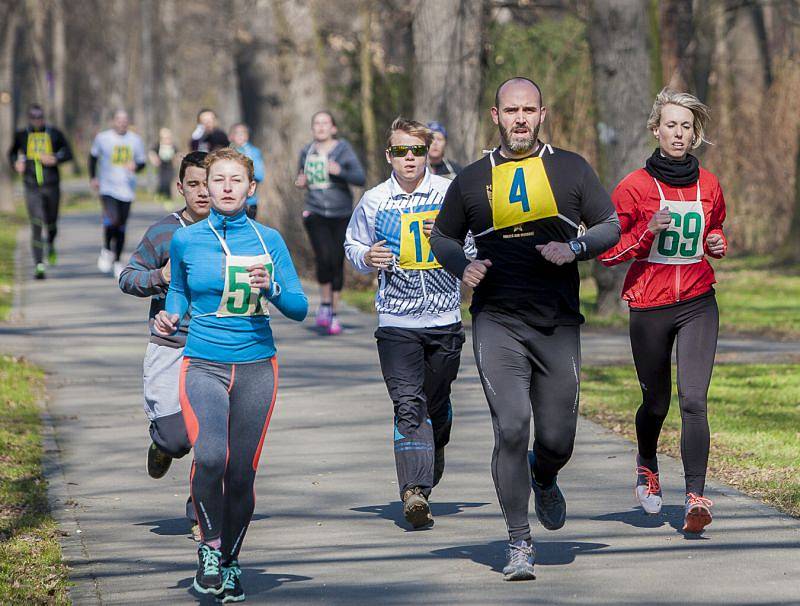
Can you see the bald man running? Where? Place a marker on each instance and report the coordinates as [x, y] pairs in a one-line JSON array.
[[524, 203]]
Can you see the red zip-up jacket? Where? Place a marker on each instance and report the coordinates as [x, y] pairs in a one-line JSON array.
[[655, 284]]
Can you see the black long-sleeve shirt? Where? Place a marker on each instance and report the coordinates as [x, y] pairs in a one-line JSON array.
[[60, 149], [520, 280]]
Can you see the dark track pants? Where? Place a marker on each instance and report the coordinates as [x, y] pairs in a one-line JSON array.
[[419, 366], [527, 370], [226, 408], [695, 326], [327, 236], [42, 203], [115, 220]]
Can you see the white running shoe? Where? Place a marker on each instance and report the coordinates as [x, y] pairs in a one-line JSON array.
[[648, 489], [118, 267], [105, 262]]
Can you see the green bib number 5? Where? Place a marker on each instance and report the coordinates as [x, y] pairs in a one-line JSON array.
[[240, 299]]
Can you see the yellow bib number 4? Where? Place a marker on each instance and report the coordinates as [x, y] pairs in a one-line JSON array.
[[39, 144], [521, 193], [415, 248]]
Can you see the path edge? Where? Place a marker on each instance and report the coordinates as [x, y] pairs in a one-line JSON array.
[[74, 553]]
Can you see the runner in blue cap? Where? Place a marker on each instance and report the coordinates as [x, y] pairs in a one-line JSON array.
[[438, 164]]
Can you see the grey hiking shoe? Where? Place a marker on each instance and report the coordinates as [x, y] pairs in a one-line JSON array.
[[416, 509]]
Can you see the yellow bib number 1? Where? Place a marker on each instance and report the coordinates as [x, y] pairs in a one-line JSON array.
[[521, 193], [415, 248]]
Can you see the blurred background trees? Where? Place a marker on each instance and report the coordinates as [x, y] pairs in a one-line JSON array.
[[272, 63]]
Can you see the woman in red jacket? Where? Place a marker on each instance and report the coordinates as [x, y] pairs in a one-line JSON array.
[[671, 213]]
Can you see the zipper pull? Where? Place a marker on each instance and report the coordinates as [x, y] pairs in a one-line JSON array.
[[225, 228]]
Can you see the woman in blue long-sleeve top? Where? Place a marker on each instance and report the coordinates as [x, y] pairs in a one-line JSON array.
[[228, 270]]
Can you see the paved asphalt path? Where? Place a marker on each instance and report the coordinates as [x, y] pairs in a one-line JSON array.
[[328, 527]]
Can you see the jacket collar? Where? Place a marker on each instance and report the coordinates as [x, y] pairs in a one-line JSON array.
[[423, 189], [216, 219]]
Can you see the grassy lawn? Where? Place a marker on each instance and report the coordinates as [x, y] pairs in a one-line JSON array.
[[31, 571], [9, 225], [756, 295], [362, 300], [754, 414]]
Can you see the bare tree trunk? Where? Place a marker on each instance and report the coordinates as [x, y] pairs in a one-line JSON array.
[[367, 111], [791, 247], [676, 36], [447, 54], [618, 41], [278, 67], [59, 61], [9, 20], [146, 119], [37, 17], [168, 39], [117, 36]]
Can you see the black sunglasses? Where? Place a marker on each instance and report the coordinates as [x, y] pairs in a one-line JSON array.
[[400, 151]]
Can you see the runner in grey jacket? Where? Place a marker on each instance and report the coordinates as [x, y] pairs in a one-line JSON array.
[[419, 317], [328, 167]]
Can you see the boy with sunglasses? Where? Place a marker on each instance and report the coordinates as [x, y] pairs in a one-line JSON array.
[[419, 318]]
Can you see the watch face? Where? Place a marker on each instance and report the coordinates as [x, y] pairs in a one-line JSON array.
[[575, 247]]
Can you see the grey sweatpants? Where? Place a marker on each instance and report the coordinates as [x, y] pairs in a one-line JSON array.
[[226, 408], [161, 372]]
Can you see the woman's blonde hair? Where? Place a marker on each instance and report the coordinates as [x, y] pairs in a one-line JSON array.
[[228, 153], [699, 110]]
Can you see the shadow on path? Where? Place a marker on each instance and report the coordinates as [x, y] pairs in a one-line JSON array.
[[254, 582], [171, 527], [492, 555], [394, 511], [670, 514]]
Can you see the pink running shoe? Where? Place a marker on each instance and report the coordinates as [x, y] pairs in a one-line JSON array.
[[323, 319], [335, 328]]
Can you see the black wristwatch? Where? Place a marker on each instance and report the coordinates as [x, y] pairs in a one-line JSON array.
[[575, 247]]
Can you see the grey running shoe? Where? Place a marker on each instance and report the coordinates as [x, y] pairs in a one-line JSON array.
[[438, 465], [231, 585], [697, 513], [158, 461], [551, 507], [208, 578], [416, 509], [521, 556], [648, 488]]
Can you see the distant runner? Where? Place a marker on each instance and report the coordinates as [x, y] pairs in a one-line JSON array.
[[328, 166], [116, 156], [36, 153]]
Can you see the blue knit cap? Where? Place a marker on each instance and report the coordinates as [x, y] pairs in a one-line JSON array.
[[438, 128]]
